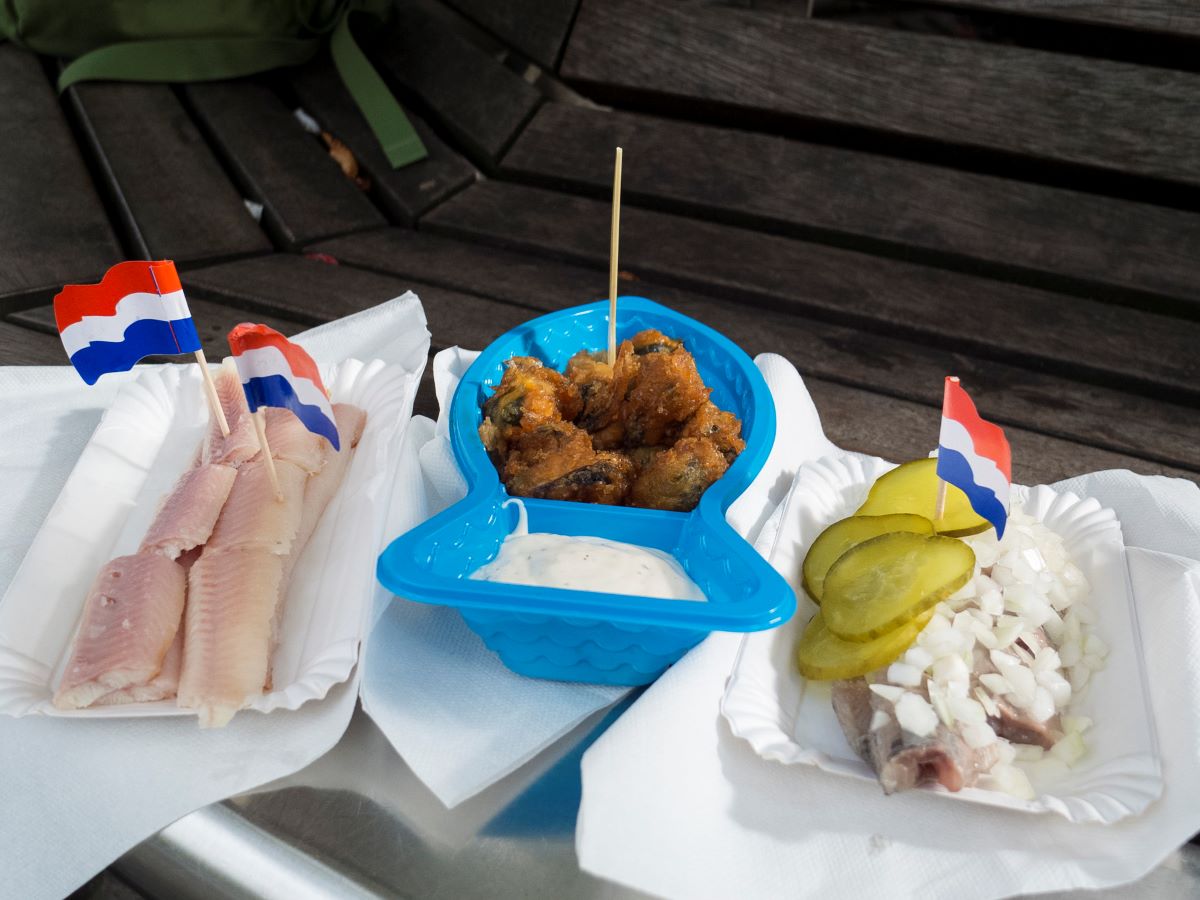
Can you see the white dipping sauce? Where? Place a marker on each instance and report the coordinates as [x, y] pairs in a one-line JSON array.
[[587, 564]]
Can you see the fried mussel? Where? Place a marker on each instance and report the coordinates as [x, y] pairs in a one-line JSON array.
[[639, 432]]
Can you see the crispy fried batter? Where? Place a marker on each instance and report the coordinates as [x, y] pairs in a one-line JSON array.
[[555, 460], [676, 478], [663, 392], [723, 428], [641, 431]]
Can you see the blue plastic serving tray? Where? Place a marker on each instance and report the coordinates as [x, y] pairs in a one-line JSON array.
[[583, 635]]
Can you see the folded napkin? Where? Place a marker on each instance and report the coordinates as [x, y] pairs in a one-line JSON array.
[[675, 805], [458, 717], [79, 793]]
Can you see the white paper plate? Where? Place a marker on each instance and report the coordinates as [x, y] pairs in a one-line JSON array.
[[144, 442], [790, 720]]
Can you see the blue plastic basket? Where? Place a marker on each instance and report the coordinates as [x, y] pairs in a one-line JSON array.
[[584, 635]]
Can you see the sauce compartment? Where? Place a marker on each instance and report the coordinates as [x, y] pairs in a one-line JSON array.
[[586, 635]]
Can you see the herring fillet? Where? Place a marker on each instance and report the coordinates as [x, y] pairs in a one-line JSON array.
[[291, 441], [227, 631], [242, 443], [130, 617], [252, 518], [161, 687], [187, 517]]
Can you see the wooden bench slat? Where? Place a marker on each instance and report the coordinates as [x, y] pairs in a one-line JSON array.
[[403, 194], [482, 103], [175, 201], [26, 346], [861, 199], [300, 289], [277, 163], [1114, 116], [1173, 17], [213, 319], [537, 28], [1021, 397], [993, 319], [53, 228]]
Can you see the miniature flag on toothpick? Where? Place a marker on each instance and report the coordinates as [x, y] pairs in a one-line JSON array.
[[137, 310], [974, 456], [276, 372]]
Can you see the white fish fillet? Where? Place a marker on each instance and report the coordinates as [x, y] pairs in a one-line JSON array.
[[130, 618], [242, 443], [291, 441], [160, 687], [252, 518], [187, 517], [227, 632]]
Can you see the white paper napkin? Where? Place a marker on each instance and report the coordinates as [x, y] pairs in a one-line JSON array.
[[675, 805], [458, 717], [76, 794]]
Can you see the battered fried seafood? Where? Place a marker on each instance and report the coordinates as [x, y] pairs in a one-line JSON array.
[[639, 432]]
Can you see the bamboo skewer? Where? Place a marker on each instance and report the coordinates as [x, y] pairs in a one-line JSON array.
[[210, 388], [261, 428], [612, 261]]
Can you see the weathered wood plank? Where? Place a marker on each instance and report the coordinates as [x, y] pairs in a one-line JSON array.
[[482, 103], [22, 346], [302, 290], [277, 163], [1173, 17], [993, 319], [214, 320], [871, 423], [403, 194], [1027, 398], [53, 228], [174, 201], [1030, 231], [1110, 115], [537, 28]]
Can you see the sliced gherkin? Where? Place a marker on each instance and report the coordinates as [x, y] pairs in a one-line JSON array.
[[888, 581], [823, 656], [912, 487], [841, 536]]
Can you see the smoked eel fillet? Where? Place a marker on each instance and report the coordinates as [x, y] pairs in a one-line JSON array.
[[227, 631], [252, 518], [187, 517], [160, 687], [130, 618], [292, 442]]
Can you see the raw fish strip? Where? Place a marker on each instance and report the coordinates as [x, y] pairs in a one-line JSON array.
[[291, 441], [227, 632], [160, 687], [242, 443], [321, 487], [130, 617], [187, 517], [252, 518]]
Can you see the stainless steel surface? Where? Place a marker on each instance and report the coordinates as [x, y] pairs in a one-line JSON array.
[[358, 823]]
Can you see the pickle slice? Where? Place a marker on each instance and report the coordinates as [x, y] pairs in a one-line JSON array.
[[912, 487], [887, 581], [823, 656], [841, 536]]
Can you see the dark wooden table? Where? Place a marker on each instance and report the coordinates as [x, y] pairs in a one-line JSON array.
[[884, 193]]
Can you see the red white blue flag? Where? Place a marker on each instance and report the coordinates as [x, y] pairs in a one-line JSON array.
[[974, 456], [276, 372], [137, 310]]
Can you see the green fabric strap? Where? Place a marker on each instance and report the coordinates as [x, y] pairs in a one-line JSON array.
[[207, 59], [395, 132]]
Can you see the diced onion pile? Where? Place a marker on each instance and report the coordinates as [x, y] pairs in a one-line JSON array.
[[1021, 584]]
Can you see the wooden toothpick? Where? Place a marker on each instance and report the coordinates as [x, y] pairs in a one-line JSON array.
[[261, 427], [210, 388], [612, 262], [940, 509]]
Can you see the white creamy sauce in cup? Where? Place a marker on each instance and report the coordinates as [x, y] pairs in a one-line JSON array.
[[587, 564]]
